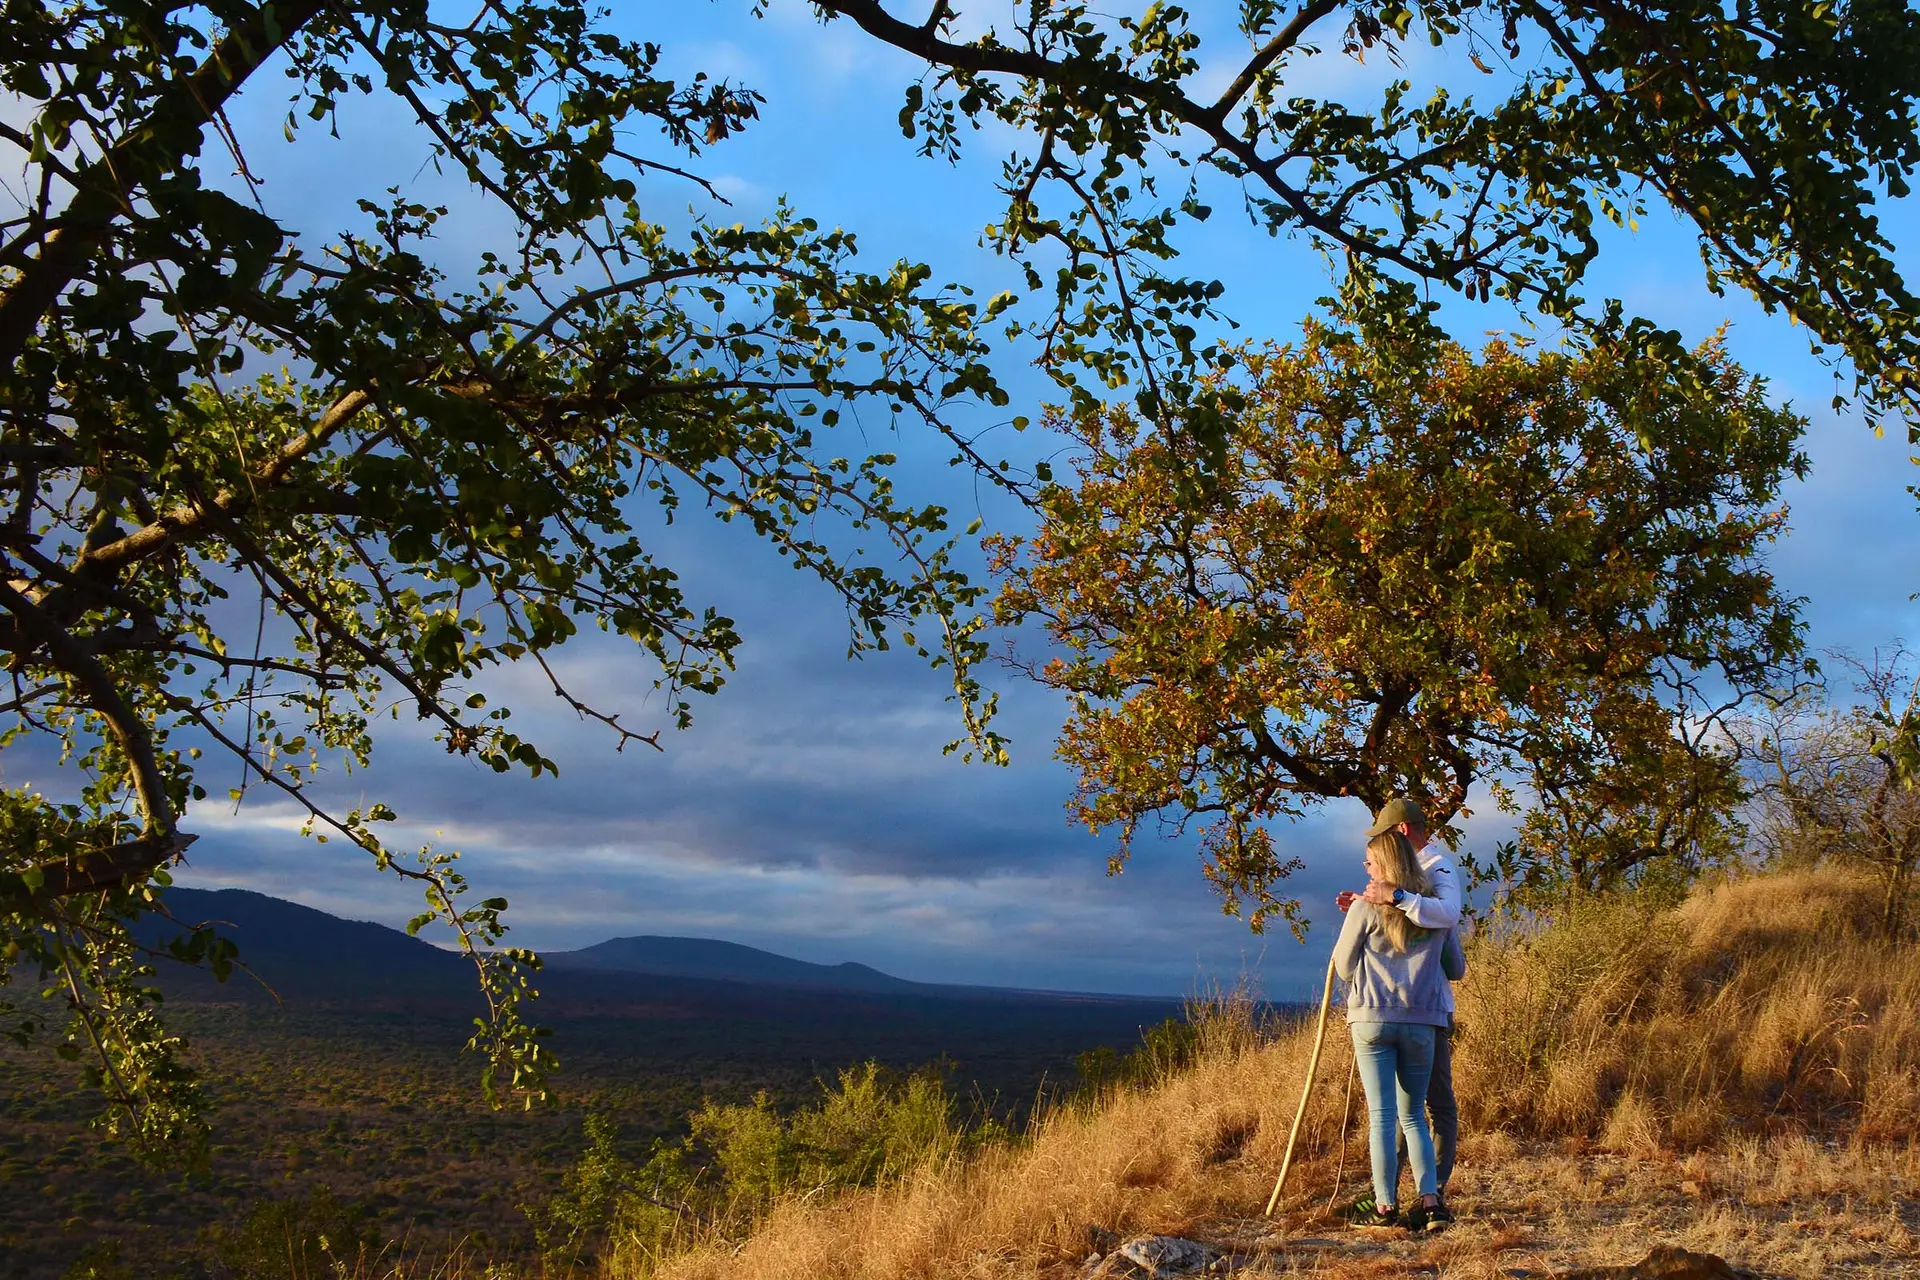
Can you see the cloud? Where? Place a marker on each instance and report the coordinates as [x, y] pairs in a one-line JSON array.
[[811, 812], [1063, 925], [743, 193], [826, 60]]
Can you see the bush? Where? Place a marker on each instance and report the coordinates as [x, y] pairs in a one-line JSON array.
[[1217, 1023], [311, 1237], [870, 1127], [104, 1260]]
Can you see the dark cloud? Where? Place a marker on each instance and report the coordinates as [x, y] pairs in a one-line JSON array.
[[810, 810], [1065, 925]]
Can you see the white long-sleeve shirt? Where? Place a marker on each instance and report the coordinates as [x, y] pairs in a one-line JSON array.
[[1440, 911]]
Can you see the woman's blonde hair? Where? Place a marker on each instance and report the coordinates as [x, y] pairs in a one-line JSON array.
[[1395, 864]]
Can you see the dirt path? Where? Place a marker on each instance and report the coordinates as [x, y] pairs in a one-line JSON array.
[[1806, 1213]]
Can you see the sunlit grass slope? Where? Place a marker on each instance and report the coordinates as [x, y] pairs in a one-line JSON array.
[[1770, 1004], [1763, 1019]]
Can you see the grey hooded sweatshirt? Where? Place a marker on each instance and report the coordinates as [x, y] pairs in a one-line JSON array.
[[1384, 985]]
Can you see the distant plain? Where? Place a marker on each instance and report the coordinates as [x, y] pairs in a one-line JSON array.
[[348, 1076]]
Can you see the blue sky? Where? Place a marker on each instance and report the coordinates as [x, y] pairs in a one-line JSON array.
[[810, 809]]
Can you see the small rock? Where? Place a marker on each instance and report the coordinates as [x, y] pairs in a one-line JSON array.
[[1163, 1256], [1667, 1263]]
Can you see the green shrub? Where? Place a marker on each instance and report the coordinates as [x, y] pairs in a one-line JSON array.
[[1214, 1024], [311, 1237], [869, 1127], [571, 1224], [103, 1260]]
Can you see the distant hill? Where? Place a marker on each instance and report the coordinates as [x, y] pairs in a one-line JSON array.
[[304, 954], [725, 962], [265, 925], [307, 957], [296, 947]]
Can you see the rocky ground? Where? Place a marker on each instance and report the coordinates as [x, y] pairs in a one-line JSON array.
[[1830, 1213]]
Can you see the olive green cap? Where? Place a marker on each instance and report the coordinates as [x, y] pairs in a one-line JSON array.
[[1396, 811]]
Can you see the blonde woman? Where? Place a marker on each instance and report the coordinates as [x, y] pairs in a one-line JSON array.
[[1397, 1000]]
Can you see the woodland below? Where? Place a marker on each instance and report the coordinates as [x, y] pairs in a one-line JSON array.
[[366, 1112]]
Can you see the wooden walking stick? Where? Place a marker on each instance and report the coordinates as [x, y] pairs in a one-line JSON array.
[[1306, 1090]]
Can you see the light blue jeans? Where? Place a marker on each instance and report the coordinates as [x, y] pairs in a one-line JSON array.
[[1395, 1060]]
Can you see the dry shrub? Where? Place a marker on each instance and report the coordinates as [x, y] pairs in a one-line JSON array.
[[1766, 1004], [1633, 1126]]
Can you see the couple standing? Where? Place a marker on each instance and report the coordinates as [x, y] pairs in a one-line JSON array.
[[1399, 955]]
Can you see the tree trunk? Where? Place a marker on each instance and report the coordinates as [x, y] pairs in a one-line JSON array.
[[1893, 906]]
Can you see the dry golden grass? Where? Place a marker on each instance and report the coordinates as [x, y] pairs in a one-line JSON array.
[[1767, 1004], [1737, 1075]]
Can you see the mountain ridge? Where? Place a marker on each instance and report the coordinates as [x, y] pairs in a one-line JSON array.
[[676, 956], [300, 950]]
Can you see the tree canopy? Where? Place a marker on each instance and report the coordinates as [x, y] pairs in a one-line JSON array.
[[1414, 570], [260, 490], [1773, 128], [1479, 148]]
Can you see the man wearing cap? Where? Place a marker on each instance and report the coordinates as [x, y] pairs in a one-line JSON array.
[[1438, 912]]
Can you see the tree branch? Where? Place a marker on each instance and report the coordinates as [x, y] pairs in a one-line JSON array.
[[998, 59], [185, 521], [160, 841], [101, 195], [91, 872], [1269, 53]]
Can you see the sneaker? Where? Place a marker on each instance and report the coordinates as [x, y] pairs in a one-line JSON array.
[[1365, 1213], [1429, 1218]]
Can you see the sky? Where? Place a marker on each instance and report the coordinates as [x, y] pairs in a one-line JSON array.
[[810, 810]]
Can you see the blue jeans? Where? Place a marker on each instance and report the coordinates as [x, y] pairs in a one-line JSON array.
[[1442, 1111], [1395, 1061]]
